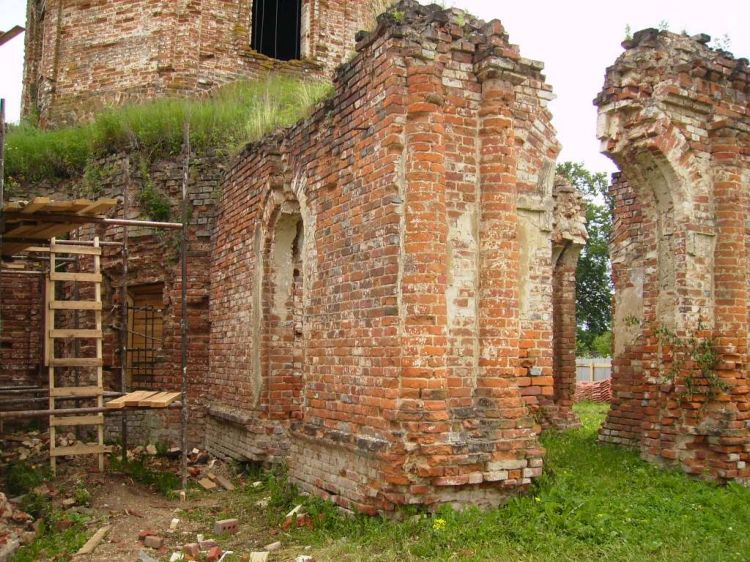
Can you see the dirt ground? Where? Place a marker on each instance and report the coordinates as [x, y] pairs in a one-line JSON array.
[[128, 507]]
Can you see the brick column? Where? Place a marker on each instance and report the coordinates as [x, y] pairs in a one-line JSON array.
[[730, 450], [564, 326], [424, 277]]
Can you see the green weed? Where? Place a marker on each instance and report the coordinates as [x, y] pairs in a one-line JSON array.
[[234, 115], [594, 502], [22, 477], [56, 542], [161, 481]]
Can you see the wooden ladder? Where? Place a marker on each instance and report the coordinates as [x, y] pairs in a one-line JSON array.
[[90, 391]]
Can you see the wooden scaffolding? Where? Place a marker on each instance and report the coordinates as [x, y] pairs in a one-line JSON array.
[[93, 385], [31, 227]]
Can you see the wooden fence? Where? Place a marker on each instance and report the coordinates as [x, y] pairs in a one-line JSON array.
[[593, 369]]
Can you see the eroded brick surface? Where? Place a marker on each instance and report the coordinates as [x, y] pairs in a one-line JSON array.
[[381, 298], [386, 299], [674, 117], [81, 56]]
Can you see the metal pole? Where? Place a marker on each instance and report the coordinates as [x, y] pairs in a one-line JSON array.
[[66, 411], [151, 224], [21, 272], [183, 322], [124, 311], [2, 195]]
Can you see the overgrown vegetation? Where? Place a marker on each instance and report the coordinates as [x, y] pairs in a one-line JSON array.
[[22, 477], [60, 536], [235, 115], [164, 482], [594, 502]]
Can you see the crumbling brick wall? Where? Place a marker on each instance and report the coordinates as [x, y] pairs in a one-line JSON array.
[[153, 258], [673, 116], [21, 329], [568, 238], [81, 56], [415, 210]]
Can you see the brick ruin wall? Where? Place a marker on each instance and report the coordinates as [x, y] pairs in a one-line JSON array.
[[21, 330], [382, 294], [153, 259], [82, 56], [674, 117]]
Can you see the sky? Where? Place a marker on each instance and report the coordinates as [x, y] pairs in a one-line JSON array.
[[576, 39]]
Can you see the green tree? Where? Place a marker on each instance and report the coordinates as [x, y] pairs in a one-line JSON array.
[[593, 282]]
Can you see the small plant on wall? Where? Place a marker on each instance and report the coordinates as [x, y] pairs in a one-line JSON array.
[[153, 202], [694, 359]]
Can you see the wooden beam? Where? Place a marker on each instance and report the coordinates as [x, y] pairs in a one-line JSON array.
[[75, 305], [75, 362], [93, 542], [36, 204], [160, 399], [82, 449], [69, 421], [75, 392], [83, 277], [75, 333], [81, 250]]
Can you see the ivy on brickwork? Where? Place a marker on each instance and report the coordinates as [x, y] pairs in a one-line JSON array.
[[153, 202], [235, 115], [695, 358]]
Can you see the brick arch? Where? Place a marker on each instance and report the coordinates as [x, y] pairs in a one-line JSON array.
[[279, 314], [667, 118]]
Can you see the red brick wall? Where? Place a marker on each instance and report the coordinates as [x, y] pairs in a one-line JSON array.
[[673, 116], [408, 183], [21, 317], [564, 329], [81, 56], [153, 258]]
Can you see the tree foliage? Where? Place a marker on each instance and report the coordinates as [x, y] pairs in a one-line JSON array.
[[593, 281]]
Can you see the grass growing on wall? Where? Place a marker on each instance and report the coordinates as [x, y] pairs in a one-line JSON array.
[[237, 114]]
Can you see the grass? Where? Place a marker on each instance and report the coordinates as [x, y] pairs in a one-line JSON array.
[[23, 477], [164, 482], [56, 542], [594, 502], [236, 114]]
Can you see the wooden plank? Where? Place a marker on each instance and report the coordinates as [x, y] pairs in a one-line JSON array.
[[161, 400], [81, 449], [75, 362], [75, 391], [75, 305], [99, 207], [69, 421], [152, 398], [207, 484], [75, 333], [134, 398], [117, 403], [79, 250], [93, 542], [36, 204], [84, 277], [221, 481]]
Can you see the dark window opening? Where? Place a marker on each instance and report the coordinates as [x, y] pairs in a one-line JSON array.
[[277, 28], [145, 331]]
